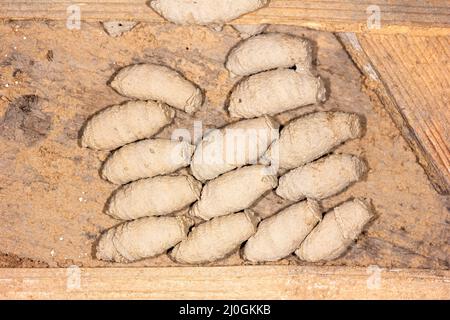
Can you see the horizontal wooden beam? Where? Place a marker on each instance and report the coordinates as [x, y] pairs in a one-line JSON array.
[[245, 282], [396, 16]]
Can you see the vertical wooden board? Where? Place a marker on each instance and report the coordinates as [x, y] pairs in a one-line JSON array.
[[414, 73]]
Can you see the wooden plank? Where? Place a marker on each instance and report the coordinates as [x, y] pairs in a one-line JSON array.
[[410, 74], [278, 282], [421, 17]]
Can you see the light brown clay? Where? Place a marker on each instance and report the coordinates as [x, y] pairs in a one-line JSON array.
[[280, 235], [156, 196], [321, 179], [215, 239], [121, 124], [270, 51], [308, 138], [160, 83], [250, 30], [146, 159], [275, 91], [142, 238], [233, 146], [117, 28], [336, 232], [233, 191], [204, 12]]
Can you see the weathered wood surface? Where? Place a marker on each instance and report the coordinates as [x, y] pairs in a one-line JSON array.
[[51, 196], [397, 16], [277, 282], [411, 76]]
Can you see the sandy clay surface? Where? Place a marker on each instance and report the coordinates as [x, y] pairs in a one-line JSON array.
[[51, 196]]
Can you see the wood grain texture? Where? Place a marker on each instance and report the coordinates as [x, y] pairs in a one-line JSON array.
[[411, 76], [421, 17], [251, 282]]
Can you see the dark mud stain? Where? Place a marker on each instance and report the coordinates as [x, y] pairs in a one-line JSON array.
[[72, 128], [90, 235], [13, 261], [25, 122], [50, 55]]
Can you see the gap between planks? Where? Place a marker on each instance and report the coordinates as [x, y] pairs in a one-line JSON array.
[[397, 16], [245, 282]]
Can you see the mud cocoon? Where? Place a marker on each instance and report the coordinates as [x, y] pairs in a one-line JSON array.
[[310, 137], [204, 12], [215, 239], [233, 146], [146, 159], [156, 196], [336, 232], [156, 82], [321, 179], [142, 238], [275, 91], [121, 124], [270, 51], [233, 191], [280, 235]]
